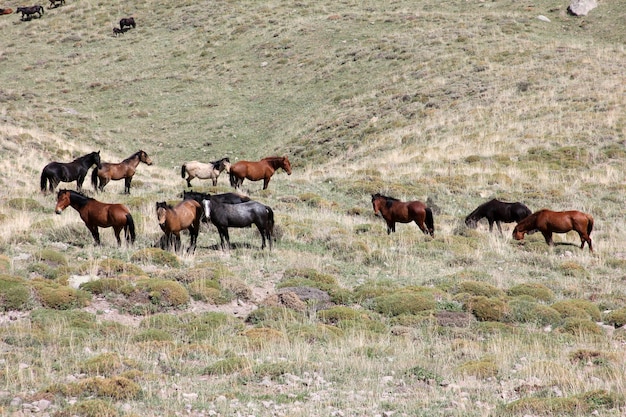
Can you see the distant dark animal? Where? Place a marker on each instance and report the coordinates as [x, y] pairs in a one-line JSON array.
[[6, 11], [497, 211], [394, 210], [200, 170], [127, 22], [56, 3], [118, 31], [183, 216], [96, 214], [227, 198], [116, 171], [224, 215], [28, 12], [548, 222], [258, 170], [56, 172]]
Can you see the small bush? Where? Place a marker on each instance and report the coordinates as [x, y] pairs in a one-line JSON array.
[[156, 256], [581, 327], [479, 289], [537, 291], [163, 293], [25, 204], [617, 318], [51, 257], [88, 408], [578, 308], [547, 406], [153, 335], [423, 374], [53, 295], [524, 311], [482, 369], [14, 293], [228, 366], [273, 313], [404, 302], [487, 309], [261, 336], [336, 314], [105, 364], [105, 285]]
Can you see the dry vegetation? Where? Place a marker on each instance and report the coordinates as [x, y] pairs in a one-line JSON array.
[[451, 103]]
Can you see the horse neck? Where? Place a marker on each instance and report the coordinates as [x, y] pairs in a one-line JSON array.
[[528, 223], [275, 162], [133, 160], [78, 201]]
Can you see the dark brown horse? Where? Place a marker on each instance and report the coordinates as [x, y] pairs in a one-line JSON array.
[[127, 22], [548, 222], [497, 211], [30, 11], [96, 214], [172, 220], [125, 169], [56, 172], [258, 170], [394, 210], [56, 3]]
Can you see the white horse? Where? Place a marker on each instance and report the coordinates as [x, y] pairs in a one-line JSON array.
[[212, 170]]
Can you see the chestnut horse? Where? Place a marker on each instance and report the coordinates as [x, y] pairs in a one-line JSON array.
[[172, 220], [497, 211], [200, 170], [548, 222], [125, 169], [56, 172], [6, 11], [259, 170], [96, 214], [394, 210]]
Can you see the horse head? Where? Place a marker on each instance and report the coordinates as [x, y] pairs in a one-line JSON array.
[[96, 159], [518, 233], [143, 157], [286, 165], [206, 205], [161, 211], [63, 200], [471, 222]]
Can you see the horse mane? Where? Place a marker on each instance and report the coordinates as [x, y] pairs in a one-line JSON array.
[[79, 198], [89, 155], [163, 204], [479, 209], [133, 156], [378, 195]]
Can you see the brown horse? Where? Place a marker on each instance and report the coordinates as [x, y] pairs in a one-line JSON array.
[[125, 169], [394, 210], [96, 214], [548, 222], [6, 11], [172, 220], [259, 170]]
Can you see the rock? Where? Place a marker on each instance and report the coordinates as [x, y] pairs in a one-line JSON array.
[[581, 7], [543, 18]]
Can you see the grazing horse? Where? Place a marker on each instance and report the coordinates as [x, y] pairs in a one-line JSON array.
[[56, 172], [394, 210], [96, 214], [127, 22], [118, 31], [56, 3], [172, 220], [548, 222], [224, 215], [212, 170], [28, 12], [259, 170], [6, 11], [497, 211], [125, 169]]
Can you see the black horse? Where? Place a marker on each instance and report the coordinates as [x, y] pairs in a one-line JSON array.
[[28, 12], [224, 215], [497, 211], [56, 3], [226, 198], [56, 172], [127, 22]]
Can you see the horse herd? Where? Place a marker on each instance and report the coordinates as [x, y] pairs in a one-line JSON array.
[[223, 210], [234, 210]]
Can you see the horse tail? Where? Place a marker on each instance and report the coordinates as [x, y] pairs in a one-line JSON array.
[[430, 222], [130, 227], [182, 170], [589, 224], [43, 181], [233, 179], [270, 221], [94, 178]]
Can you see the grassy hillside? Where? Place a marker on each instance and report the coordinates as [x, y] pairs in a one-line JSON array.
[[447, 102]]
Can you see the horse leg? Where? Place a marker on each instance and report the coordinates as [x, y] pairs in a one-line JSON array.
[[127, 181], [548, 237], [117, 231], [214, 181], [95, 233], [584, 237], [421, 225], [176, 238], [266, 181], [193, 235], [499, 226], [189, 178]]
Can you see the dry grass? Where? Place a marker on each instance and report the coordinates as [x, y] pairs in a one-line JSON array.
[[449, 103]]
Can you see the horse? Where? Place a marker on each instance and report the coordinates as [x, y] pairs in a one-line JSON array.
[[227, 198], [96, 214], [29, 11], [127, 22], [125, 169], [548, 222], [497, 211], [212, 170], [259, 170], [394, 210], [56, 172], [224, 215], [118, 31], [172, 220], [6, 11], [56, 3]]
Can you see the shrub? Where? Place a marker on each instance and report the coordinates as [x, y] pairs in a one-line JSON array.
[[487, 309], [336, 314], [117, 387], [537, 291], [25, 204], [273, 313], [524, 311], [423, 374], [404, 302], [209, 290], [14, 293], [314, 333], [479, 289], [105, 285], [616, 318], [573, 308], [103, 364], [260, 336], [153, 335], [578, 326], [113, 267], [88, 408], [51, 257], [547, 406], [163, 292], [482, 369], [573, 269], [228, 366], [59, 297], [156, 256]]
